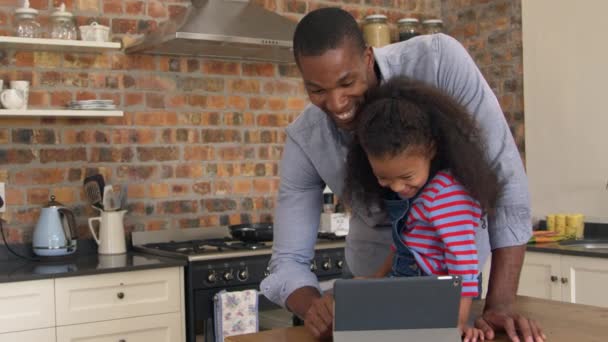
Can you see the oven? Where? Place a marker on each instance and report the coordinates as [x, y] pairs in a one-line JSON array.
[[216, 264]]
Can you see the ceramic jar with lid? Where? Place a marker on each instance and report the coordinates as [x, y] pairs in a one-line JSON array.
[[62, 24], [408, 28], [376, 31], [26, 25], [432, 26]]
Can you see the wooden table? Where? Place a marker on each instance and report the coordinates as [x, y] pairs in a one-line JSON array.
[[562, 322]]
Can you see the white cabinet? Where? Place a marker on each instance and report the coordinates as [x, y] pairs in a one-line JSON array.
[[585, 280], [27, 305], [581, 280], [126, 306], [158, 328], [540, 276], [117, 295], [38, 335]]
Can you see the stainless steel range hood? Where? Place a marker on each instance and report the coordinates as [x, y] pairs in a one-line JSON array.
[[233, 29]]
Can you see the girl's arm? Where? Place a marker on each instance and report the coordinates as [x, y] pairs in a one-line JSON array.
[[463, 314]]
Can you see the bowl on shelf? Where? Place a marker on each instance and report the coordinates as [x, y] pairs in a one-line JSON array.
[[95, 33]]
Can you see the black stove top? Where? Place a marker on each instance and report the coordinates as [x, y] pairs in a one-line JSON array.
[[194, 247]]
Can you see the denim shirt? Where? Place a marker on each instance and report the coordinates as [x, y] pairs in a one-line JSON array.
[[315, 153]]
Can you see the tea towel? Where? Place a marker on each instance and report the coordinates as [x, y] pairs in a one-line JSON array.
[[236, 313]]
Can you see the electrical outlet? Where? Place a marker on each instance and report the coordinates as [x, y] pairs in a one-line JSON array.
[[3, 197]]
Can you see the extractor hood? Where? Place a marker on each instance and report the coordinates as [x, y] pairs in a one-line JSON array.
[[233, 29]]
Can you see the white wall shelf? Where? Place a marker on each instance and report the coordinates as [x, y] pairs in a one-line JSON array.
[[59, 113], [62, 45]]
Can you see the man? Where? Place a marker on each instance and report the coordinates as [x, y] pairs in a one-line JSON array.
[[337, 69]]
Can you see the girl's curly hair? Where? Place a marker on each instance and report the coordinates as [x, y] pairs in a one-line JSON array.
[[403, 113]]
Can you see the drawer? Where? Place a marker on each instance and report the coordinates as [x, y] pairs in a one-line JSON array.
[[157, 328], [38, 335], [27, 305], [117, 295]]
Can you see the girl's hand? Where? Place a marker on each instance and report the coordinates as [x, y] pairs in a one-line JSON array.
[[470, 334]]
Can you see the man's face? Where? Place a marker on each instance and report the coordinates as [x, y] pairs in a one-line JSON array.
[[337, 80]]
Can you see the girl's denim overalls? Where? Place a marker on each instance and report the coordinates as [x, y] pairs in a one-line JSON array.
[[404, 262]]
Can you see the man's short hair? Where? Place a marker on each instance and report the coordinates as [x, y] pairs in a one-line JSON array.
[[325, 29]]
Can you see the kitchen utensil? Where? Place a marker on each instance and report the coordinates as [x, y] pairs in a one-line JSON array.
[[252, 232], [54, 234], [123, 197], [111, 237], [93, 187], [110, 202]]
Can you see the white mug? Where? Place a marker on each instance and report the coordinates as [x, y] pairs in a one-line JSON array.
[[12, 99], [24, 87]]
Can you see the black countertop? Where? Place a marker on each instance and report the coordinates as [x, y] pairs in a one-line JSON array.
[[556, 248], [79, 265]]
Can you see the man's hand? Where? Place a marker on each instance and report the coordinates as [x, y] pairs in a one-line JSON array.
[[320, 316], [494, 320]]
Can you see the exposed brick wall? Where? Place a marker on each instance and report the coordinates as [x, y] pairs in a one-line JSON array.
[[200, 141], [491, 32]]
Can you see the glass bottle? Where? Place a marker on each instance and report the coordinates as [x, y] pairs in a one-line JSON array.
[[376, 31], [408, 28], [62, 24], [432, 26], [26, 25]]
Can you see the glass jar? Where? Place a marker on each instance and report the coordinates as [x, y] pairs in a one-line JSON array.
[[26, 25], [432, 26], [376, 31], [408, 28], [62, 24]]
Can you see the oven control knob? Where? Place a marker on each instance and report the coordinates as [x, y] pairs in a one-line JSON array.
[[313, 266], [211, 278], [327, 265], [340, 263], [228, 276], [243, 275]]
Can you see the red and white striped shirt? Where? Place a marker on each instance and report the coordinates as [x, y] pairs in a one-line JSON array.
[[440, 231]]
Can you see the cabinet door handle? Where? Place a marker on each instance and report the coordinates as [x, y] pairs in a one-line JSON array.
[[564, 280], [120, 295], [553, 279]]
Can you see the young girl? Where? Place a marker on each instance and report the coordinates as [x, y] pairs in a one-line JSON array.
[[418, 154]]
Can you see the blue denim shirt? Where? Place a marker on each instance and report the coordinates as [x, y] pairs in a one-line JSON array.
[[315, 154]]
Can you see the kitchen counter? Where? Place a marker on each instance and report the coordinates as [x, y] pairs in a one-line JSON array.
[[556, 248], [562, 322], [81, 264]]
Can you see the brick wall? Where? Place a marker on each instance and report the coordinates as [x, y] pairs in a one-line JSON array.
[[491, 32], [200, 141]]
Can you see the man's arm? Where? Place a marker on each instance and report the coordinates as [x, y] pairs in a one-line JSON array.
[[295, 232], [511, 226]]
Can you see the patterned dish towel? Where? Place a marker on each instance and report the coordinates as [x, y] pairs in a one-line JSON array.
[[236, 313]]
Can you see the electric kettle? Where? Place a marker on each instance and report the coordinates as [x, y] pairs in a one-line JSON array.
[[54, 234]]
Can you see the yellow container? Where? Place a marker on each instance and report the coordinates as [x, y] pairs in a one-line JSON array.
[[580, 225], [571, 225], [376, 31], [560, 224], [551, 222]]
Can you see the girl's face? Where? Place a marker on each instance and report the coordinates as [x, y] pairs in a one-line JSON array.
[[405, 173]]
